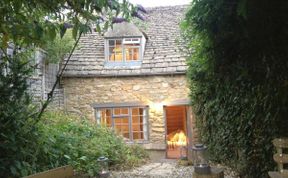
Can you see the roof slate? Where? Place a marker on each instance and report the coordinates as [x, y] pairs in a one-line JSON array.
[[163, 50], [123, 29]]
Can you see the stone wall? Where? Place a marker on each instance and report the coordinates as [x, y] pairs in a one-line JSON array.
[[36, 89], [81, 93]]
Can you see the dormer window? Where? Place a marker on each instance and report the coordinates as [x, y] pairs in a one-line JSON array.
[[124, 50], [124, 46]]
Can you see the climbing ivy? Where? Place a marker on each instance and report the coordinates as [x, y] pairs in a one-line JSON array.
[[238, 73]]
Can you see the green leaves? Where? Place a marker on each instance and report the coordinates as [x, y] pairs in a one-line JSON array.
[[242, 8], [16, 128], [33, 23], [63, 29], [84, 143], [236, 79]]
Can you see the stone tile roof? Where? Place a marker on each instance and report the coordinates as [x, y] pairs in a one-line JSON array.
[[162, 54], [124, 29]]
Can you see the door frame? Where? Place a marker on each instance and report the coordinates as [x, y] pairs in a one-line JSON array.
[[183, 102]]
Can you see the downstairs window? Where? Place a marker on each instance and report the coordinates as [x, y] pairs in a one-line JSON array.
[[130, 122]]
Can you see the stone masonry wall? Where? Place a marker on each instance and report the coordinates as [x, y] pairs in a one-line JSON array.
[[81, 93]]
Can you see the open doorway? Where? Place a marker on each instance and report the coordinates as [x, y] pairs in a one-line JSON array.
[[176, 131]]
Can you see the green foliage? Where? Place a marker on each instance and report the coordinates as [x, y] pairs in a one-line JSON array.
[[27, 24], [61, 139], [68, 139], [238, 75], [59, 47], [17, 130], [32, 22]]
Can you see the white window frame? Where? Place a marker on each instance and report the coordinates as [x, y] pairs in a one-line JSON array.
[[129, 115], [127, 40]]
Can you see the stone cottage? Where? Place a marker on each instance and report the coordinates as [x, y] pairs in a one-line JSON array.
[[132, 78], [42, 77]]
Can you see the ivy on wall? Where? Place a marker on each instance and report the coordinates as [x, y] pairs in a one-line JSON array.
[[238, 71]]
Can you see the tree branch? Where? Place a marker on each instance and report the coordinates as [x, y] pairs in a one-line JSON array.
[[59, 75]]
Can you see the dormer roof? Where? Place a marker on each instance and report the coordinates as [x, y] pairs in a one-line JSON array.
[[163, 53], [123, 29]]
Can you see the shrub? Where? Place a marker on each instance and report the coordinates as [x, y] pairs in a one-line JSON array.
[[238, 78], [69, 139], [17, 118]]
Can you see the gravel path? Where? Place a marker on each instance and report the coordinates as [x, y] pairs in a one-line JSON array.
[[165, 169], [157, 170]]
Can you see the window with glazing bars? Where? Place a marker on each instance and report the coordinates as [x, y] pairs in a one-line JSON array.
[[124, 50], [130, 122]]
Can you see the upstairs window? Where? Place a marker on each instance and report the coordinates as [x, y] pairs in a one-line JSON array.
[[124, 50]]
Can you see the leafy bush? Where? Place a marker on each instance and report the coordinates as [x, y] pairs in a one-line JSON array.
[[59, 47], [238, 75], [17, 118], [69, 139]]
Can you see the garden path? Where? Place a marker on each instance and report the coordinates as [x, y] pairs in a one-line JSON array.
[[163, 169]]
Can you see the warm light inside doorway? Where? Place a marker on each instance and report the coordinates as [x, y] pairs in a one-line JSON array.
[[177, 138]]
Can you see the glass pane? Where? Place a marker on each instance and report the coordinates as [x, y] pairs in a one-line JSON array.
[[115, 50], [109, 122], [111, 54], [116, 111], [121, 121], [118, 42], [135, 120], [135, 111], [135, 54], [124, 111], [137, 127], [121, 126], [141, 110], [118, 54], [141, 119], [112, 43], [111, 50], [106, 117], [126, 135], [120, 111], [137, 135], [129, 54], [112, 57]]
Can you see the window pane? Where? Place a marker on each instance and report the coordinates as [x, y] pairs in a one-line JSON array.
[[111, 54], [115, 50], [141, 110], [135, 120], [135, 54], [118, 54], [120, 111], [130, 122], [112, 43], [135, 111], [124, 111], [116, 111], [132, 52], [106, 117], [137, 135], [121, 126], [118, 42], [137, 127], [129, 54], [112, 57], [126, 135]]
